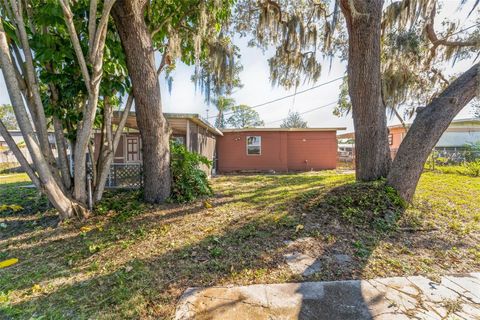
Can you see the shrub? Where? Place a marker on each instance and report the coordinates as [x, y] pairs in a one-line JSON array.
[[189, 182], [472, 168], [472, 152]]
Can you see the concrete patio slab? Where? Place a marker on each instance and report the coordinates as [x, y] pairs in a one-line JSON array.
[[455, 297]]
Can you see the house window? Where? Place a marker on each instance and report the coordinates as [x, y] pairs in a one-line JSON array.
[[254, 145], [390, 139]]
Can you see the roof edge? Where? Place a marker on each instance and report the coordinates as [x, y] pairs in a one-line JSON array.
[[195, 117]]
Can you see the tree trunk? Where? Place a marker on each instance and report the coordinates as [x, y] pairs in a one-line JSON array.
[[92, 82], [137, 43], [372, 154], [426, 130], [66, 207], [62, 161], [106, 156]]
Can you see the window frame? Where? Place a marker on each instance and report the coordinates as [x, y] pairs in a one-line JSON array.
[[247, 145], [390, 139]]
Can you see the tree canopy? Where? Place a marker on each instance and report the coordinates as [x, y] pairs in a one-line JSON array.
[[309, 34], [243, 116], [293, 120], [223, 104]]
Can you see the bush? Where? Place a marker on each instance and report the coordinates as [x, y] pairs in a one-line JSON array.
[[472, 168], [189, 182], [472, 152]]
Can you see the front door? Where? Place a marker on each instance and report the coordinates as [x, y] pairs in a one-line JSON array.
[[133, 150]]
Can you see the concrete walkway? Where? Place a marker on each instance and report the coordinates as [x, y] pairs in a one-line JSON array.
[[455, 297]]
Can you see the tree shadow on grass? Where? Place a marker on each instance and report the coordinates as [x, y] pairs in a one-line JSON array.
[[240, 251], [138, 265], [22, 209]]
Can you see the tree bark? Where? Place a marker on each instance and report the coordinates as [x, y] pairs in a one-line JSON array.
[[426, 130], [62, 160], [372, 154], [92, 82], [40, 119], [106, 155], [137, 43], [19, 155], [66, 207]]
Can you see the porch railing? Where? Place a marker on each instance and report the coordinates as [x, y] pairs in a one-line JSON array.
[[125, 175]]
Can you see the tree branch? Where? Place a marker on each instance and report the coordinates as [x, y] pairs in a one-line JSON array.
[[34, 89], [101, 30], [19, 155], [92, 24], [432, 36], [67, 13]]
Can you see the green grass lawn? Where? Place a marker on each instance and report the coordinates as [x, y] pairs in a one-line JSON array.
[[133, 260]]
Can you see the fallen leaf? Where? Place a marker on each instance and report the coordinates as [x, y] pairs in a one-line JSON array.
[[36, 288], [85, 229], [8, 263], [299, 227], [207, 204]]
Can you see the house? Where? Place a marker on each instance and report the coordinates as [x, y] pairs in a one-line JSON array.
[[6, 155], [187, 128], [460, 133], [277, 149]]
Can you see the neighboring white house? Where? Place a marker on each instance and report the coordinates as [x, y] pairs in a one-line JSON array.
[[459, 133], [7, 156]]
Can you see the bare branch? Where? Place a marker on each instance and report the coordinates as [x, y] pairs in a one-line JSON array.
[[92, 24], [123, 121], [101, 30], [67, 13]]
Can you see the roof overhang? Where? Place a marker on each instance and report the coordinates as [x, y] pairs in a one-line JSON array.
[[195, 118]]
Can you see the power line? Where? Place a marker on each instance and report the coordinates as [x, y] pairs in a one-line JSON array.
[[321, 84], [310, 110], [465, 29], [287, 96]]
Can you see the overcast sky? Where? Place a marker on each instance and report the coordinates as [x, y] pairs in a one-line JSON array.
[[257, 88]]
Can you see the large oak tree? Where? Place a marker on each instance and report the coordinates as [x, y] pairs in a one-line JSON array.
[[186, 30], [392, 53]]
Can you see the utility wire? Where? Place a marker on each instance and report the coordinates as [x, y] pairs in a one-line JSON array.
[[288, 96], [465, 29], [321, 84], [310, 110]]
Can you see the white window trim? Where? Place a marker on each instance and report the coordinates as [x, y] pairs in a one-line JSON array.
[[246, 146]]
